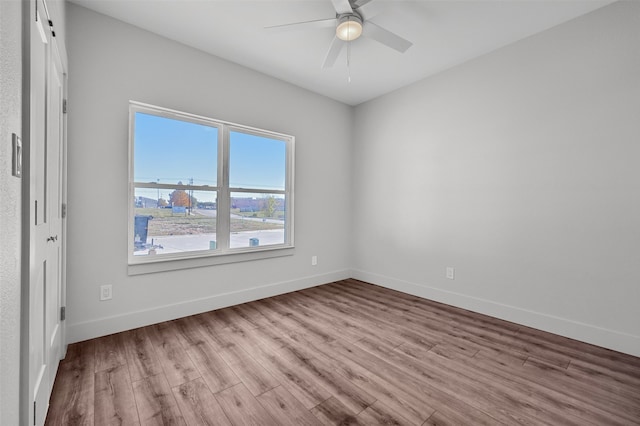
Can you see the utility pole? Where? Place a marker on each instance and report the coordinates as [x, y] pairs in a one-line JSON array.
[[190, 195]]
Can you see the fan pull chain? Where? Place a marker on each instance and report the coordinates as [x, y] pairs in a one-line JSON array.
[[349, 61]]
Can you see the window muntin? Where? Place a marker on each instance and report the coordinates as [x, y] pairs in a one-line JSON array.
[[181, 167]]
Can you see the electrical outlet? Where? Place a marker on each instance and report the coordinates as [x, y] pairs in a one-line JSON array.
[[314, 260], [451, 272], [105, 292]]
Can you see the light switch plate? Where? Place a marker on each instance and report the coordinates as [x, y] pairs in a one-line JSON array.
[[16, 163]]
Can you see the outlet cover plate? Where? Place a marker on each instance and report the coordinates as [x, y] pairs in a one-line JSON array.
[[105, 292], [451, 272]]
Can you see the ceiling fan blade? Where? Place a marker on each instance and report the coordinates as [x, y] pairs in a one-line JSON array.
[[360, 3], [369, 8], [306, 25], [342, 6], [386, 37], [333, 52]]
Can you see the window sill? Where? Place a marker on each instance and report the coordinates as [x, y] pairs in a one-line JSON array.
[[164, 265]]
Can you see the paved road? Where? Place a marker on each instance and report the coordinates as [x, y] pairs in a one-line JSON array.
[[214, 213], [206, 212]]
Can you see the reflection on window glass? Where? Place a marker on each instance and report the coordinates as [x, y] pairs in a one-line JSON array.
[[257, 219], [171, 151], [174, 221], [256, 162]]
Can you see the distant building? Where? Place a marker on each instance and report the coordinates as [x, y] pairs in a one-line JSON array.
[[250, 204], [146, 203]]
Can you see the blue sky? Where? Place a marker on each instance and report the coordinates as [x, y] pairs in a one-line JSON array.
[[172, 150], [256, 162]]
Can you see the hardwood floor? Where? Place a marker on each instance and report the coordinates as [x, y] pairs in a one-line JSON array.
[[346, 353]]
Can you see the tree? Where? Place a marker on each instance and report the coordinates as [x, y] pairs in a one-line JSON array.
[[180, 198], [269, 205], [162, 202]]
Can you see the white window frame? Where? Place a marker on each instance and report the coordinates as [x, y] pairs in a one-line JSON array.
[[223, 253]]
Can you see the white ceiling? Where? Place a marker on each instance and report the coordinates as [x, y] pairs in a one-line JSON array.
[[444, 33]]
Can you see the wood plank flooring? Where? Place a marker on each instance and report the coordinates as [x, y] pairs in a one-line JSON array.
[[346, 353]]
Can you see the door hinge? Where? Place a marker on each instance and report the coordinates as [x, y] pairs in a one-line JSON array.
[[63, 313], [64, 106], [53, 32], [63, 211]]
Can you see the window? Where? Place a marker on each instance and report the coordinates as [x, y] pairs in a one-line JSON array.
[[201, 187]]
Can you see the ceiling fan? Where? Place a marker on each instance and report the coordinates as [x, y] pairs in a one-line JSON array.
[[351, 22]]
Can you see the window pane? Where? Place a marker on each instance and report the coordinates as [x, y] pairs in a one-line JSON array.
[[182, 163], [257, 219], [256, 162], [172, 151], [186, 224]]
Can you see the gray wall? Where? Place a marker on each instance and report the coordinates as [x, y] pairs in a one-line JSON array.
[[111, 63], [10, 199], [520, 169]]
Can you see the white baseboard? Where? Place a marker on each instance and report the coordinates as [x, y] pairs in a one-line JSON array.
[[611, 339], [114, 324], [599, 336]]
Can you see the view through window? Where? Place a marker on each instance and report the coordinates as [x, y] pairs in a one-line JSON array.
[[203, 187]]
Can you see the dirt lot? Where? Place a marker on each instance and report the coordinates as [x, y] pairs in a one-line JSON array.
[[165, 223]]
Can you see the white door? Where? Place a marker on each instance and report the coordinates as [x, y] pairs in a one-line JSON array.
[[45, 183], [39, 374], [55, 137]]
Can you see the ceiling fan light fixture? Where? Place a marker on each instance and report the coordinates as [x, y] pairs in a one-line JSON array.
[[349, 27]]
